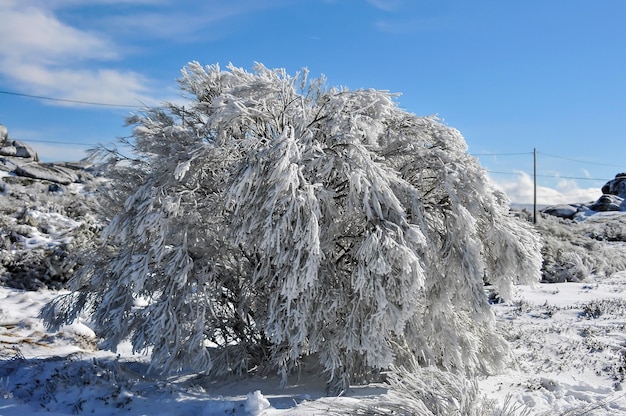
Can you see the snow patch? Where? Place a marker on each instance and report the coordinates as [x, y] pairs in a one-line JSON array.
[[256, 403]]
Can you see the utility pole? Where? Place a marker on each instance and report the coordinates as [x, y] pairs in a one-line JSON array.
[[535, 185]]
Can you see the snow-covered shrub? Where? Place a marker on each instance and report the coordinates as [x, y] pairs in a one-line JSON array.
[[573, 250], [428, 391], [596, 308], [42, 232], [272, 221], [419, 391], [69, 385]]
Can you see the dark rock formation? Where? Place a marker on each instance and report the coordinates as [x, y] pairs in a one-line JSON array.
[[561, 211], [616, 186], [14, 148], [613, 199], [607, 202]]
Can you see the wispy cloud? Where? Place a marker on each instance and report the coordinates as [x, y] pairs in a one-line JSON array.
[[35, 35], [83, 57], [386, 5], [177, 24], [401, 25], [40, 54]]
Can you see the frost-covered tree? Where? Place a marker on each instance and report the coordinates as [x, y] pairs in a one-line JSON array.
[[273, 221]]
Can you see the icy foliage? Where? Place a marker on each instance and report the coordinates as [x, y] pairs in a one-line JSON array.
[[574, 250], [43, 228], [272, 221], [423, 391]]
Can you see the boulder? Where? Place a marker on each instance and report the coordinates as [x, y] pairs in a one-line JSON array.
[[616, 186], [14, 148], [4, 134], [22, 160], [562, 211], [8, 164], [607, 202], [48, 172]]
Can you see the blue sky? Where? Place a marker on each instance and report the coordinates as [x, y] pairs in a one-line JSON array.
[[511, 76]]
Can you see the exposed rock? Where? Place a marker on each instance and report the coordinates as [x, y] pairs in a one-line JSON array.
[[616, 186], [19, 149], [607, 202], [55, 188], [7, 164], [22, 160], [4, 134], [49, 172], [613, 199], [562, 211]]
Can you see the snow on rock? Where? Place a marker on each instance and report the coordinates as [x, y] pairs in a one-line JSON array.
[[22, 160], [613, 199], [48, 172], [616, 186], [607, 202], [22, 334], [4, 134], [41, 224], [79, 329], [562, 211], [18, 149]]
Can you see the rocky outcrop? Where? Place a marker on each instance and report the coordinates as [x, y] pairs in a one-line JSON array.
[[562, 211], [47, 172], [4, 134], [616, 186], [14, 148], [607, 202], [613, 199], [22, 160]]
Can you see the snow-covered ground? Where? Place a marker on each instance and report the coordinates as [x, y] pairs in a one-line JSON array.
[[569, 347], [65, 373], [568, 341]]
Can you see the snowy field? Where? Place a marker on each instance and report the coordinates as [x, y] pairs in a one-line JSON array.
[[568, 341]]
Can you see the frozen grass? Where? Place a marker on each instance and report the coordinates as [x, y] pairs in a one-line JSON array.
[[574, 250], [568, 344]]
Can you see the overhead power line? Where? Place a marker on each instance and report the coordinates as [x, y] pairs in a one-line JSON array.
[[502, 154], [548, 176], [582, 161], [542, 196], [58, 142], [40, 97], [573, 177], [554, 156], [500, 172]]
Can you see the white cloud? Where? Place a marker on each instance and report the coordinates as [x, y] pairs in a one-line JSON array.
[[35, 35], [199, 20], [42, 55], [386, 5], [521, 191]]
